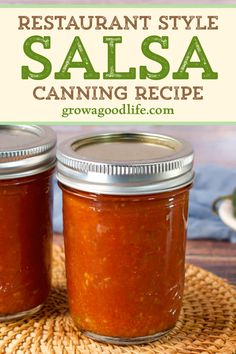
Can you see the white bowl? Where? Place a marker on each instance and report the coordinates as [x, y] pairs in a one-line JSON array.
[[225, 212]]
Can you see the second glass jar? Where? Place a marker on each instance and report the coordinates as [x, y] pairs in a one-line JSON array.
[[27, 160]]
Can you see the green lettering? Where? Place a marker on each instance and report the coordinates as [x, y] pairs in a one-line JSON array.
[[111, 70], [26, 73], [165, 67], [195, 46], [77, 46]]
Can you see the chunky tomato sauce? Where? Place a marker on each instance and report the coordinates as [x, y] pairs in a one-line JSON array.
[[125, 261], [25, 242]]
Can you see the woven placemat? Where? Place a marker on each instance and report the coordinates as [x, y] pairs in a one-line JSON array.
[[207, 324]]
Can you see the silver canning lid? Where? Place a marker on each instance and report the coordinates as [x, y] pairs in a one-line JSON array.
[[26, 150], [125, 163]]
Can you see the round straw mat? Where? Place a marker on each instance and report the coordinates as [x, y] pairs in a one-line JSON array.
[[207, 324]]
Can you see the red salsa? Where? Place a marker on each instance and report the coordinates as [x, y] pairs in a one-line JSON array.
[[26, 166], [125, 208], [125, 261], [25, 242]]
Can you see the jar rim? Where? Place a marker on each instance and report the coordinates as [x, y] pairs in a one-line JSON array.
[[125, 163], [26, 150]]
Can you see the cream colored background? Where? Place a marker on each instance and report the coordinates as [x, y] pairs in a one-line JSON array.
[[18, 104], [120, 2]]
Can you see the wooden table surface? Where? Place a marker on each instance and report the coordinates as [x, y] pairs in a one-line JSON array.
[[216, 257]]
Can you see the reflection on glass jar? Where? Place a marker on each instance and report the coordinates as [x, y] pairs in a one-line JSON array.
[[125, 233], [27, 160]]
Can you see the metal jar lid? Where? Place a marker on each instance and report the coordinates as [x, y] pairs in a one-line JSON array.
[[26, 150], [125, 163]]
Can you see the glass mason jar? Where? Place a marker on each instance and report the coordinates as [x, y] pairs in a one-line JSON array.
[[125, 208], [27, 161]]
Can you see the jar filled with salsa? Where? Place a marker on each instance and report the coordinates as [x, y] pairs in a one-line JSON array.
[[27, 162], [125, 209]]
